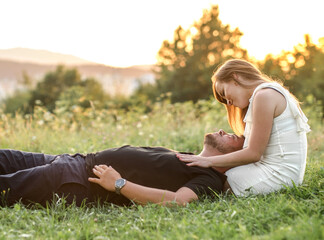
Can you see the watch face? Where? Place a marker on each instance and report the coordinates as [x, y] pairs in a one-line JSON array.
[[120, 182]]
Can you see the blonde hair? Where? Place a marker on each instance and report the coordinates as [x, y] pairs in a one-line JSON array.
[[250, 77]]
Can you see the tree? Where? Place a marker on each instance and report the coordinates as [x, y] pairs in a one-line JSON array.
[[54, 83], [17, 102], [93, 92], [63, 84], [186, 64], [302, 70], [307, 71]]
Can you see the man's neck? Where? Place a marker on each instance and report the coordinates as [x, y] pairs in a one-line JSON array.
[[208, 152]]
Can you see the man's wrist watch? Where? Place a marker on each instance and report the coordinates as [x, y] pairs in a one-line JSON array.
[[119, 184]]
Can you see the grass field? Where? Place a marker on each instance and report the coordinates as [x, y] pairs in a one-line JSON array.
[[295, 213]]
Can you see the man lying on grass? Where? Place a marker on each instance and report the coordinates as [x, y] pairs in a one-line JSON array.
[[116, 175]]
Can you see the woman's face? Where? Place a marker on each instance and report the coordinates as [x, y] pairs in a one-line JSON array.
[[234, 93]]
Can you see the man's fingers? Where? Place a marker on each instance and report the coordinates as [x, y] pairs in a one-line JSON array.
[[94, 180], [100, 168], [103, 166], [96, 167], [96, 172]]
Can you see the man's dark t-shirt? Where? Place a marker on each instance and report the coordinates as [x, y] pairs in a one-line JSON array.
[[154, 167]]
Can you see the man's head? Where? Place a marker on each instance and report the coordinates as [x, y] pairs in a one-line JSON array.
[[222, 142]]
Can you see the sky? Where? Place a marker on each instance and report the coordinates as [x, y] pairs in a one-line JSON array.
[[130, 32]]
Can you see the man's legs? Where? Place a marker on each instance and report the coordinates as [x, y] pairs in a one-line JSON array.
[[73, 192], [35, 177], [35, 184], [12, 160]]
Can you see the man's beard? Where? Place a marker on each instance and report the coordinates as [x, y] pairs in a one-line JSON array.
[[216, 143], [210, 140]]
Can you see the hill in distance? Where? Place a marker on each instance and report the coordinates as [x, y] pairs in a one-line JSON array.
[[40, 57], [36, 63]]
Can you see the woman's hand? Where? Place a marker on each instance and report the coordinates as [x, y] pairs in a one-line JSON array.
[[193, 160], [107, 177]]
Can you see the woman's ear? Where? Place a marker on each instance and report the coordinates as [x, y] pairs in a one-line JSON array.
[[235, 77]]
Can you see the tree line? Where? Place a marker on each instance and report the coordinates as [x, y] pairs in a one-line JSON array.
[[186, 64], [184, 69]]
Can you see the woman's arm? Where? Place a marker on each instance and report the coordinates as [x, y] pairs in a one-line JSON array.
[[107, 177], [264, 107]]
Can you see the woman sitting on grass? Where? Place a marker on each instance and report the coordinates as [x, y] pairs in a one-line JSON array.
[[274, 127]]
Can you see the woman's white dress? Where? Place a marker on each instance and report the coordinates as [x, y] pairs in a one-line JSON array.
[[284, 160]]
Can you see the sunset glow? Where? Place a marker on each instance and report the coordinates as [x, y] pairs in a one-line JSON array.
[[124, 33]]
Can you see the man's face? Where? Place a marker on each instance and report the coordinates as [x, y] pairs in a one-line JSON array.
[[224, 142]]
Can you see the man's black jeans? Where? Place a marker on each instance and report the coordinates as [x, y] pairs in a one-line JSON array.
[[37, 177]]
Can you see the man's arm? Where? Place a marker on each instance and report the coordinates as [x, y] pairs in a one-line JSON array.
[[143, 195], [138, 193]]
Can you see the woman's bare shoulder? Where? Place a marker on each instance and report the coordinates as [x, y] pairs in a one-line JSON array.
[[271, 97]]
